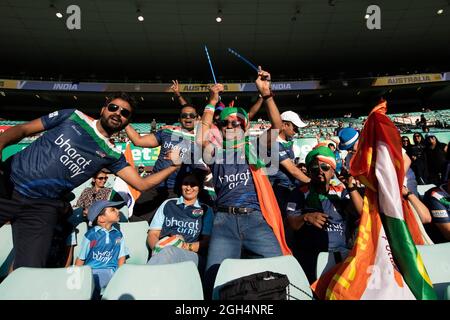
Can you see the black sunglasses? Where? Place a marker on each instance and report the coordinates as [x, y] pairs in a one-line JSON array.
[[188, 115], [102, 178], [234, 123], [123, 112], [325, 167]]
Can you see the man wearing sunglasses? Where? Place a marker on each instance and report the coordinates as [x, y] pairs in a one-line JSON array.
[[73, 148], [240, 222], [322, 217], [181, 138]]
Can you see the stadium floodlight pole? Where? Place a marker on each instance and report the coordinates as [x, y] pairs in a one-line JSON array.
[[243, 59], [210, 64]]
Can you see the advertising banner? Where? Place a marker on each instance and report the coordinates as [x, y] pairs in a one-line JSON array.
[[408, 79]]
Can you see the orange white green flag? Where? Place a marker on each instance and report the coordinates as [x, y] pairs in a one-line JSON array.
[[384, 263], [122, 187]]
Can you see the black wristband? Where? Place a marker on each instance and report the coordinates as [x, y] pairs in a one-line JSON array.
[[352, 189], [268, 96]]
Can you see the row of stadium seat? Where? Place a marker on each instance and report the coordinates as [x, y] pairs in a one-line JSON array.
[[135, 280], [177, 281]]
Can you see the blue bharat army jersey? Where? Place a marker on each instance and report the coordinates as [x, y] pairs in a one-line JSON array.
[[233, 180], [173, 217], [169, 139], [70, 152], [438, 201], [282, 177], [333, 235], [101, 249]]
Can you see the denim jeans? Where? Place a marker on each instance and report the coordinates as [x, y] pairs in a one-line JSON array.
[[173, 254], [231, 233], [101, 280]]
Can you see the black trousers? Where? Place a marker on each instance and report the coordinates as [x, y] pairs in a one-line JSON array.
[[33, 222]]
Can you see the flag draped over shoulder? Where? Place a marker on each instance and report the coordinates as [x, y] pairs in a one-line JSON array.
[[266, 197], [122, 187], [384, 262]]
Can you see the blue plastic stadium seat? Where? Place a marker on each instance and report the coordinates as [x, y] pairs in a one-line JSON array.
[[74, 283], [6, 249], [135, 236], [436, 258], [231, 269], [177, 281]]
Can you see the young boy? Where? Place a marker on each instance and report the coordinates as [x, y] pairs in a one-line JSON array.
[[103, 247]]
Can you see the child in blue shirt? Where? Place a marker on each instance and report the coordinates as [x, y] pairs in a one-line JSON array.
[[103, 247]]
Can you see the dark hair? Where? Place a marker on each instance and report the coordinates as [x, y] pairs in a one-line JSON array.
[[96, 175], [124, 96], [188, 105], [194, 177], [331, 145]]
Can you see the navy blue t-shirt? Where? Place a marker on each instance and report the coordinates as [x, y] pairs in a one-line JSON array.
[[283, 178], [333, 234], [438, 201], [169, 139], [233, 180], [70, 152]]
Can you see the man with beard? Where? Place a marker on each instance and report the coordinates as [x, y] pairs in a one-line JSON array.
[[321, 216], [73, 149]]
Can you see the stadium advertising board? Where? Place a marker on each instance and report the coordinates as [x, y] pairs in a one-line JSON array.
[[408, 79]]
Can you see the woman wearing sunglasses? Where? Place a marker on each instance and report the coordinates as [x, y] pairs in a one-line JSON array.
[[96, 192]]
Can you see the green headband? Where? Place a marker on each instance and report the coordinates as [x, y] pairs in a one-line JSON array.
[[238, 112], [322, 153]]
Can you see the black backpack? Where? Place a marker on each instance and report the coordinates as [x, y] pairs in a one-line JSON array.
[[259, 286]]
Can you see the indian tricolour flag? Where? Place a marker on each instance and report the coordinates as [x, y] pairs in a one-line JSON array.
[[384, 262], [121, 186]]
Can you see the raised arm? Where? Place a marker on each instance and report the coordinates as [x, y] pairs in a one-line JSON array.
[[255, 108], [147, 141], [202, 137], [17, 133], [263, 85], [176, 91]]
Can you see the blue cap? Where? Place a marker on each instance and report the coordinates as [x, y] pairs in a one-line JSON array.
[[347, 138], [98, 206]]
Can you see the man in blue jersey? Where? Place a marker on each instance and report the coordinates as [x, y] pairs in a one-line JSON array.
[[73, 148], [240, 221], [181, 138], [287, 175], [437, 200]]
